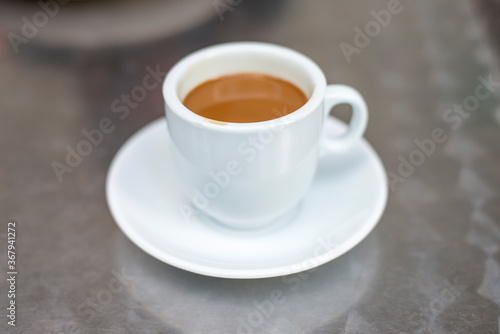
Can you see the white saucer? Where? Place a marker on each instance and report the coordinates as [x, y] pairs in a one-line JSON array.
[[344, 203]]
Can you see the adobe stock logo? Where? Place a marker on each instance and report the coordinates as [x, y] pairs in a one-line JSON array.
[[247, 151], [454, 118], [423, 319], [121, 108], [372, 29], [223, 6], [40, 19]]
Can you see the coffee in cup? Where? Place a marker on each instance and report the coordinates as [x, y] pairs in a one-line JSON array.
[[245, 98]]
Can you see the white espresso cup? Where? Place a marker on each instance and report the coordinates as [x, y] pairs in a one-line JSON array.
[[247, 175]]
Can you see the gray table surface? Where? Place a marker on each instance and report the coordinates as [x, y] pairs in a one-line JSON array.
[[432, 264]]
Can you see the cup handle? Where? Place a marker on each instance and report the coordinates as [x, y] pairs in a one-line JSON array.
[[338, 94]]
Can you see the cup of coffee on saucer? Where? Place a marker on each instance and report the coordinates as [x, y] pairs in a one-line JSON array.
[[248, 176], [245, 122]]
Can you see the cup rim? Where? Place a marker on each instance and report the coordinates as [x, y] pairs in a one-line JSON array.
[[181, 67]]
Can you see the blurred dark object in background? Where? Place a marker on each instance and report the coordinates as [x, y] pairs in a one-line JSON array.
[[491, 10], [95, 24], [104, 23]]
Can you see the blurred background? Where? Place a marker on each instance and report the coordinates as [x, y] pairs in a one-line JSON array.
[[64, 63]]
